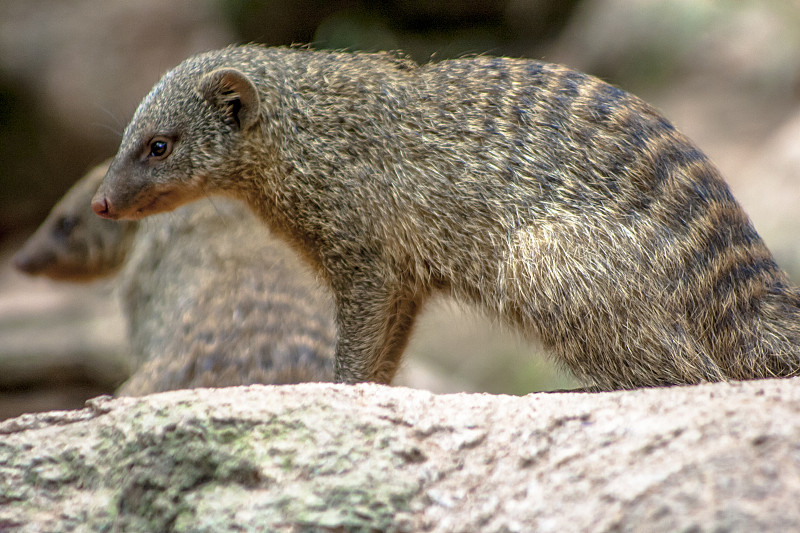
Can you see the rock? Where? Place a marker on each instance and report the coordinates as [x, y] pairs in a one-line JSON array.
[[321, 457]]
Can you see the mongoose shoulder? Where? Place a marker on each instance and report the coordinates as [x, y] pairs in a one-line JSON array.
[[567, 207], [210, 298]]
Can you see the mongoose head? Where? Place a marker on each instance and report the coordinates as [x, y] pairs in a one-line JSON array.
[[182, 142], [72, 244]]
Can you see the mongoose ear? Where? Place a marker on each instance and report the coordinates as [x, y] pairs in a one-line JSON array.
[[232, 91]]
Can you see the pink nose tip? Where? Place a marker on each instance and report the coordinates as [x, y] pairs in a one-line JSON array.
[[100, 207]]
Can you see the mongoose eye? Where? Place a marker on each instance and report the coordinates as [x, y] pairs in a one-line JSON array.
[[160, 148]]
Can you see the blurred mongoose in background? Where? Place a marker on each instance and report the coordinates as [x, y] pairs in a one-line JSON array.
[[211, 299], [561, 204]]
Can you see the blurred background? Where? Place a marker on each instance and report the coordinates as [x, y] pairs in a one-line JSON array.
[[726, 72]]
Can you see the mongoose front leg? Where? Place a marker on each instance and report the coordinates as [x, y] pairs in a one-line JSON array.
[[374, 325]]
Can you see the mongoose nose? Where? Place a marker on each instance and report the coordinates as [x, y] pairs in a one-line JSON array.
[[100, 207]]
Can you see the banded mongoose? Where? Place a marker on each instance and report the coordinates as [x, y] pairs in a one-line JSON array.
[[565, 206], [210, 298]]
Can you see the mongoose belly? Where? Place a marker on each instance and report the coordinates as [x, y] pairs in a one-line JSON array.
[[560, 204]]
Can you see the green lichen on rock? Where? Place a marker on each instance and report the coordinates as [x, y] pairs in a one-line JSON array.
[[162, 467], [176, 468], [307, 480], [366, 458]]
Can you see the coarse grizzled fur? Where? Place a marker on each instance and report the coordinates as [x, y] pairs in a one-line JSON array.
[[567, 207], [210, 298]]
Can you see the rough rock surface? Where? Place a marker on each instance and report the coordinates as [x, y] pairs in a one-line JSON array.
[[314, 457]]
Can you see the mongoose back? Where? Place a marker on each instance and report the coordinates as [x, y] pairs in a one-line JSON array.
[[210, 298], [565, 206]]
